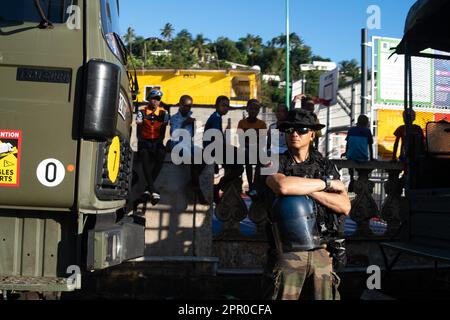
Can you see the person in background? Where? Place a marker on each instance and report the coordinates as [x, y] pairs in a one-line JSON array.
[[359, 145], [307, 103], [152, 121], [252, 123], [400, 134], [232, 171], [281, 113], [214, 121], [183, 120]]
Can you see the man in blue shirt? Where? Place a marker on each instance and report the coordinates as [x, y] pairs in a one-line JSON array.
[[215, 120], [360, 141], [232, 171], [359, 144]]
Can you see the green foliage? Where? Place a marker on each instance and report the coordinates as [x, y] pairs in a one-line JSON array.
[[349, 70], [312, 84], [251, 47], [181, 51], [167, 31], [135, 62], [129, 38], [271, 95], [187, 51], [226, 50]]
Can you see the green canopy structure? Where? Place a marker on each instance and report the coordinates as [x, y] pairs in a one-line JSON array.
[[427, 26]]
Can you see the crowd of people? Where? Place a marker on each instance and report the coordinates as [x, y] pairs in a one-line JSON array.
[[153, 118]]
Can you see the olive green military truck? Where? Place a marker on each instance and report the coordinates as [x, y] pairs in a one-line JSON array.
[[65, 156]]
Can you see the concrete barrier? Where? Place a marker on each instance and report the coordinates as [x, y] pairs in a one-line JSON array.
[[178, 226]]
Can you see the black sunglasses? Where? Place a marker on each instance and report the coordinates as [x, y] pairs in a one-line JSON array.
[[300, 130]]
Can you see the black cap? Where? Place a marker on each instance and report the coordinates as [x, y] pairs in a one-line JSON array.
[[301, 118]]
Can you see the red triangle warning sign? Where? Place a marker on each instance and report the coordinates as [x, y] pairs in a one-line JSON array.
[[7, 163]]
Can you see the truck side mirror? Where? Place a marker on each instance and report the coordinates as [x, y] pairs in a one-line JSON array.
[[101, 101]]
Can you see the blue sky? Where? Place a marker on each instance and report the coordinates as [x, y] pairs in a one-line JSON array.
[[330, 27]]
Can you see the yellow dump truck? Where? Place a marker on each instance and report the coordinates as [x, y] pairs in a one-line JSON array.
[[203, 85]]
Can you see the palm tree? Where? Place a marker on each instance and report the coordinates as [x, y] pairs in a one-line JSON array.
[[251, 46], [167, 31], [280, 41], [350, 68], [199, 48], [129, 37], [139, 46], [295, 41], [251, 43], [185, 35]]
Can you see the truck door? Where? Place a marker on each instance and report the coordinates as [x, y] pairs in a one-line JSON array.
[[39, 71]]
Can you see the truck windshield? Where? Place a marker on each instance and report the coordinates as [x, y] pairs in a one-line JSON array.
[[26, 10]]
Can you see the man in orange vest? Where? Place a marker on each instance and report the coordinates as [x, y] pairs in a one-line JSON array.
[[152, 122]]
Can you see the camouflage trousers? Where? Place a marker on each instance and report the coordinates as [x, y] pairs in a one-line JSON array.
[[292, 272]]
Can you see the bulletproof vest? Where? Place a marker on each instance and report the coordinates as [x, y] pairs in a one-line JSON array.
[[327, 220], [153, 121]]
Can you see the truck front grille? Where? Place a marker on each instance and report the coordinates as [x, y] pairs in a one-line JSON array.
[[105, 188]]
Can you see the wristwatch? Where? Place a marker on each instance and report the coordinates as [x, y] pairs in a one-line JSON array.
[[327, 181]]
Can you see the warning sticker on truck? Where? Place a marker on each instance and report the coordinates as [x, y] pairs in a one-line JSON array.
[[10, 144]]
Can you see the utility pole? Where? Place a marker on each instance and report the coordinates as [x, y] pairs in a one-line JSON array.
[[327, 136], [303, 83], [288, 48], [352, 105], [364, 71]]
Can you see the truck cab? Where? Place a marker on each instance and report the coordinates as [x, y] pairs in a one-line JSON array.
[[65, 155]]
